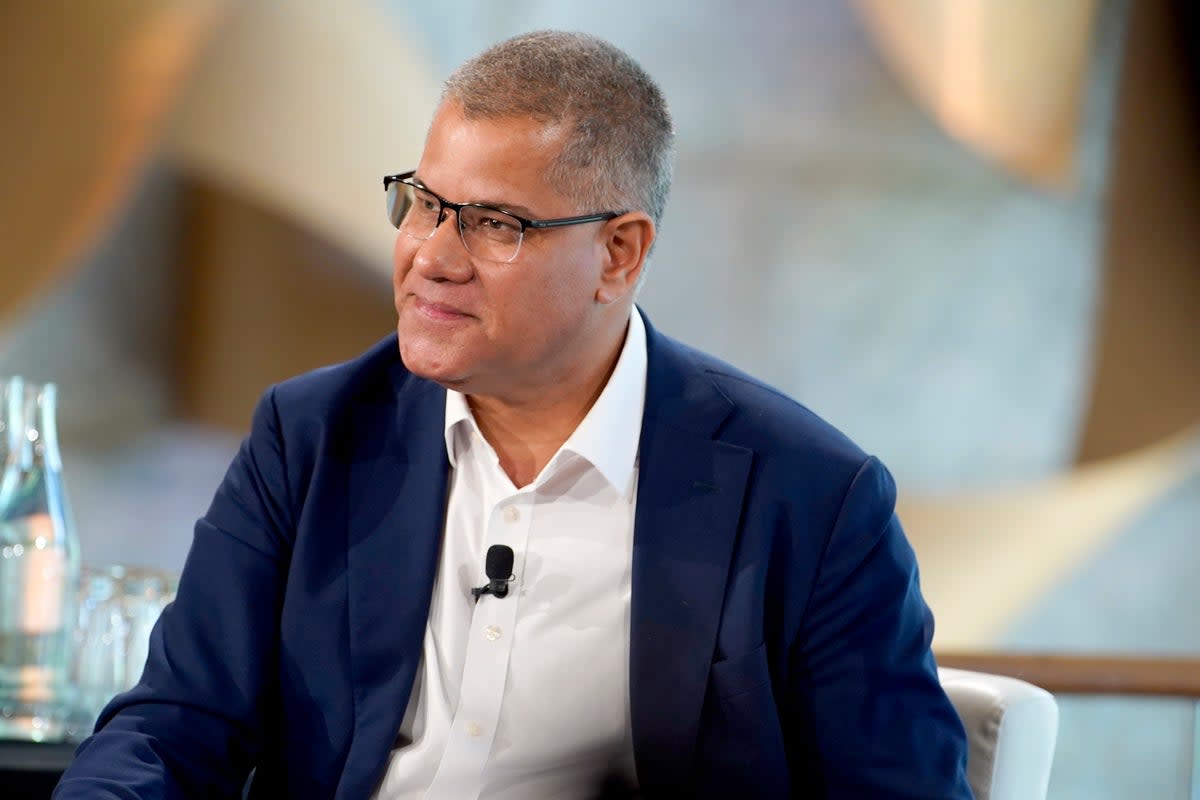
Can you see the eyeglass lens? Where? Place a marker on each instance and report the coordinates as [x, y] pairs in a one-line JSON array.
[[486, 233]]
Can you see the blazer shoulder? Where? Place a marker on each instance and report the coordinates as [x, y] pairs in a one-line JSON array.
[[768, 420], [331, 403]]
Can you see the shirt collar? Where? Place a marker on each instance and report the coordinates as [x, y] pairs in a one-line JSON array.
[[608, 436], [458, 413]]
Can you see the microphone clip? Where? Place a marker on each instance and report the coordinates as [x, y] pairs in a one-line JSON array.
[[497, 588]]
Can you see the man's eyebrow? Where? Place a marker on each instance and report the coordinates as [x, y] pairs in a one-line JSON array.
[[520, 211], [499, 205]]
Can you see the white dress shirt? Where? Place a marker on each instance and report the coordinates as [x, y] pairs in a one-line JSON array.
[[527, 696]]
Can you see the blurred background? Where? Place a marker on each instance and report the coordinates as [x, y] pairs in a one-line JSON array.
[[964, 231]]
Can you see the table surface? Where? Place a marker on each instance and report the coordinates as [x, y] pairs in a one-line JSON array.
[[30, 770], [35, 756]]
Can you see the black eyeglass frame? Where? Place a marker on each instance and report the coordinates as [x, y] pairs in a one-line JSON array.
[[407, 179]]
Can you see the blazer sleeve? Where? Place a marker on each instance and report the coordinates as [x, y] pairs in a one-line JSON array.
[[879, 723], [193, 725]]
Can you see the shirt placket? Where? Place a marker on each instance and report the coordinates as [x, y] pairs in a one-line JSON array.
[[485, 671]]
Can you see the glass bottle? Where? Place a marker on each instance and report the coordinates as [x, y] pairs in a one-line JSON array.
[[39, 567]]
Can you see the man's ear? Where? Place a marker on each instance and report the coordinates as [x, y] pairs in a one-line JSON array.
[[626, 242]]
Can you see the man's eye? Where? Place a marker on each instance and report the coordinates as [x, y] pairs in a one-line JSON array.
[[498, 223], [494, 223], [425, 201]]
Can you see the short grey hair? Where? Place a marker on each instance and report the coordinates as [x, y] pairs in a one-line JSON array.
[[619, 150]]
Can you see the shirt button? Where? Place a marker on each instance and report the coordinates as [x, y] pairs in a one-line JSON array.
[[491, 633], [511, 514], [474, 730]]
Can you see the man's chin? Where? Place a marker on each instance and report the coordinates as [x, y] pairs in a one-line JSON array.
[[431, 367]]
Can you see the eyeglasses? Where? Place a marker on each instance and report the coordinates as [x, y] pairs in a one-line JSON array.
[[486, 232]]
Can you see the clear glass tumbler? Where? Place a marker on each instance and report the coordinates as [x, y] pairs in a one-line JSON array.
[[118, 607]]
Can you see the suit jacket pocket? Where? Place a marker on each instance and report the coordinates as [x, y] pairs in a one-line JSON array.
[[743, 673]]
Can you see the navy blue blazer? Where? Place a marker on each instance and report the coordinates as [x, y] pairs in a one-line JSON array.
[[779, 642]]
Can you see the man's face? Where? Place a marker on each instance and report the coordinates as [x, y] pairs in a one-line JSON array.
[[490, 328]]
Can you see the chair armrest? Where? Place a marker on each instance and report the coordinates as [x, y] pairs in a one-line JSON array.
[[1012, 727]]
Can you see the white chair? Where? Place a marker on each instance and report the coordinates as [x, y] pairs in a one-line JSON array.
[[1011, 728]]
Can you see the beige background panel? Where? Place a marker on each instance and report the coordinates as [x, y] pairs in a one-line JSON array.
[[85, 95], [1003, 76], [262, 300], [302, 107], [987, 556], [1146, 380]]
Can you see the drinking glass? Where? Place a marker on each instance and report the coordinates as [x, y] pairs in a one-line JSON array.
[[118, 607]]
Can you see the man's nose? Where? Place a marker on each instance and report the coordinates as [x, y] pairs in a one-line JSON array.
[[442, 256]]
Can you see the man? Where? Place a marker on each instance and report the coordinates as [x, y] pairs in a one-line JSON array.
[[710, 594]]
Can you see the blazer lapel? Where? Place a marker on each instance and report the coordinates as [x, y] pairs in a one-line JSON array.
[[395, 513], [690, 490]]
